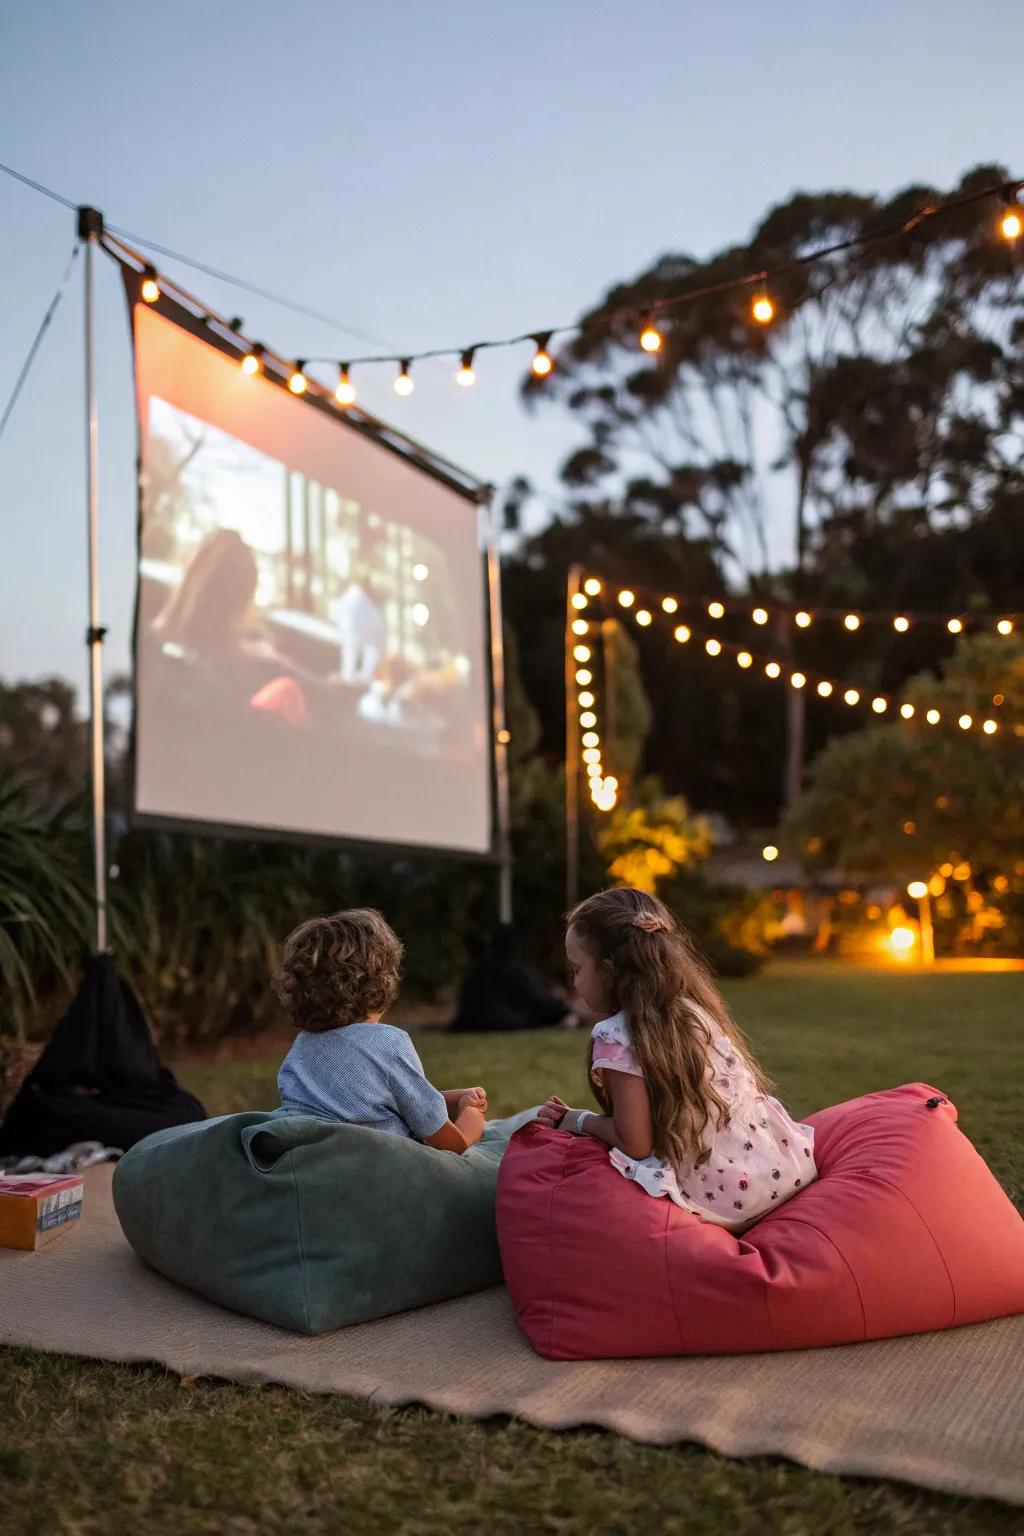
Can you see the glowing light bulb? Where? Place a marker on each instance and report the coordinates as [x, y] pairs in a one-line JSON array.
[[466, 376], [762, 309], [803, 619], [1005, 626], [1010, 225], [297, 381], [345, 390], [252, 362], [592, 586], [852, 621], [965, 722], [578, 600], [650, 336], [420, 614], [591, 739], [907, 711], [879, 705], [760, 616], [420, 572], [851, 696], [586, 700], [592, 755], [917, 889], [713, 646], [933, 717], [902, 940], [825, 689], [716, 610], [627, 598], [404, 384], [989, 727], [150, 289], [769, 853], [581, 652], [542, 363], [643, 618], [955, 626], [587, 720], [901, 624], [580, 626], [682, 633], [744, 659], [669, 604], [584, 677], [797, 680], [772, 669]]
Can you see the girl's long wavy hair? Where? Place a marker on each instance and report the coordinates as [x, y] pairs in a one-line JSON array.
[[666, 992]]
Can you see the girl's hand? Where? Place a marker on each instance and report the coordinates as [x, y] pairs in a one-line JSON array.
[[552, 1111], [471, 1098]]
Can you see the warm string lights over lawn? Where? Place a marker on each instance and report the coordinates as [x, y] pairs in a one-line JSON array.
[[758, 663], [762, 308], [603, 787]]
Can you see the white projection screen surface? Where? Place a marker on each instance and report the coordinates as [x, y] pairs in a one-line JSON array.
[[312, 638]]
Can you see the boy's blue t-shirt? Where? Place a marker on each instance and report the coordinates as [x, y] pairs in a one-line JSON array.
[[364, 1074]]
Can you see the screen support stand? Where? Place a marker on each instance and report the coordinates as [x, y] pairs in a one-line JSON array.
[[498, 725], [90, 227]]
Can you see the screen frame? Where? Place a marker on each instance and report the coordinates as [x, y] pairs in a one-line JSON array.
[[477, 492]]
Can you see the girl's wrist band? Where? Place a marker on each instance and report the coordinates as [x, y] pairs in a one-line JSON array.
[[573, 1120]]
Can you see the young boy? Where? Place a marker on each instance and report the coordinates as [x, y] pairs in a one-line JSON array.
[[338, 976]]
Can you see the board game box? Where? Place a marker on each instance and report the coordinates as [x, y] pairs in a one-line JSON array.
[[37, 1207]]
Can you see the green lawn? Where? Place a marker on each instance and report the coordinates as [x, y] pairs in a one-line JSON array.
[[92, 1449]]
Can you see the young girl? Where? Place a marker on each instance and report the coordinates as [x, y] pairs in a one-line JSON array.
[[686, 1108], [338, 975]]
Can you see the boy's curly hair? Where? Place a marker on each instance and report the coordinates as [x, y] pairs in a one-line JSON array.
[[338, 970]]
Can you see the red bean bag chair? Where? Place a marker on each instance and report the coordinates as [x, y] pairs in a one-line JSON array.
[[904, 1230]]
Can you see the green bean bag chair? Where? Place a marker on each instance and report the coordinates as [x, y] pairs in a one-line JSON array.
[[309, 1224]]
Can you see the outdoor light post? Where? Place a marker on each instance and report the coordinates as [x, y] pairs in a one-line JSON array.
[[918, 891]]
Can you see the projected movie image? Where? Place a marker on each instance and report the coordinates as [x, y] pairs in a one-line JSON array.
[[306, 662]]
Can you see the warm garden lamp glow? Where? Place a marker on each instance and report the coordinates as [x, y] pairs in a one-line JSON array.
[[762, 309], [627, 598], [297, 382], [760, 616], [902, 940], [669, 604], [852, 622], [404, 384], [682, 633], [345, 391], [917, 889], [1011, 224], [901, 624], [802, 619], [955, 626], [150, 287], [592, 586], [650, 336], [1005, 626], [252, 362], [542, 363], [769, 853], [466, 375]]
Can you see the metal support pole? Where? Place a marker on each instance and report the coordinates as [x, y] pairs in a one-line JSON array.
[[90, 226], [572, 750], [503, 807]]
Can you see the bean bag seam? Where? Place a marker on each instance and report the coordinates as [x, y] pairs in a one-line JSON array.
[[935, 1241], [668, 1281], [849, 1268], [551, 1263], [302, 1246]]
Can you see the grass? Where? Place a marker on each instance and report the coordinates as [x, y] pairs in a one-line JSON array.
[[103, 1448]]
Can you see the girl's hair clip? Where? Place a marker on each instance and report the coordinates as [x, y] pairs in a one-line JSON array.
[[649, 922]]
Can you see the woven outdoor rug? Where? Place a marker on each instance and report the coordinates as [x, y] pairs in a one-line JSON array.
[[942, 1410]]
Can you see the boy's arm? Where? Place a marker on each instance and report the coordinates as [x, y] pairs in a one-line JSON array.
[[459, 1134]]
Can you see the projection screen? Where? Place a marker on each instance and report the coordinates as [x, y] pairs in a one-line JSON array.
[[312, 648]]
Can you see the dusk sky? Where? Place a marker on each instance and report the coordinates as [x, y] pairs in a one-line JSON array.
[[430, 173]]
